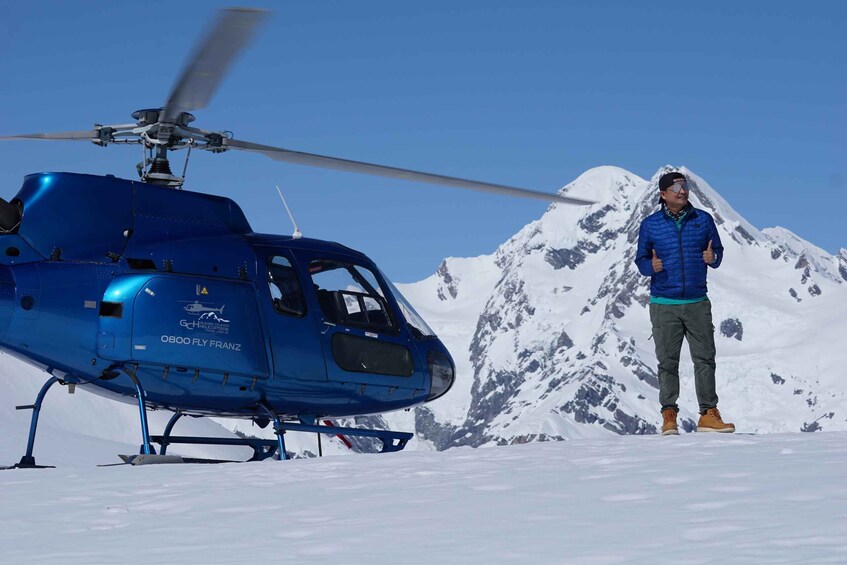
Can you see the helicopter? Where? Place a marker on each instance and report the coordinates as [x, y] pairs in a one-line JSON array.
[[166, 298]]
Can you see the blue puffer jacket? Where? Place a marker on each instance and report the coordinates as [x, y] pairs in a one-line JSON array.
[[681, 250]]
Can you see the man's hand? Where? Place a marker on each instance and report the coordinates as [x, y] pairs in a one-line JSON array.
[[657, 263], [708, 254]]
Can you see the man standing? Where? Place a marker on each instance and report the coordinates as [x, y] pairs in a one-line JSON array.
[[676, 245]]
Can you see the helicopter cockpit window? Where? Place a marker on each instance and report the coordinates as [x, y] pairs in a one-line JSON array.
[[350, 294], [285, 289], [419, 329]]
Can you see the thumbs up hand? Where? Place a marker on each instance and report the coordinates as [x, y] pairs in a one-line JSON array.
[[708, 254], [657, 263]]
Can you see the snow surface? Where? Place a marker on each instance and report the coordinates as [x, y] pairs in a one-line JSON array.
[[695, 498]]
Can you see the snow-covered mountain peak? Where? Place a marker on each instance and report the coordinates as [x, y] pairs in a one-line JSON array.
[[603, 185], [555, 342], [565, 235]]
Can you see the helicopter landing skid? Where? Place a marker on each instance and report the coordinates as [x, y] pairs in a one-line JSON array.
[[267, 448], [150, 459]]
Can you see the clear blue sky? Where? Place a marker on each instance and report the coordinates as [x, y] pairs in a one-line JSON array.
[[752, 96]]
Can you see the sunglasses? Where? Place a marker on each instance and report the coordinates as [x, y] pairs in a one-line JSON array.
[[678, 185]]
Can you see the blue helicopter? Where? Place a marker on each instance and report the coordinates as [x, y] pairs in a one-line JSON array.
[[166, 298]]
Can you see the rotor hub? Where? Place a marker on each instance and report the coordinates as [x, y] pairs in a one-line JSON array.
[[146, 117]]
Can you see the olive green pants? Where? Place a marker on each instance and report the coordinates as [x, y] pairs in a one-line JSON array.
[[672, 323]]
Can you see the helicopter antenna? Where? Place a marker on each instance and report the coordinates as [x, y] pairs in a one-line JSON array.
[[297, 233]]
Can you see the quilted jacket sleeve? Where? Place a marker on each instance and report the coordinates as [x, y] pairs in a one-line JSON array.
[[644, 251], [717, 246]]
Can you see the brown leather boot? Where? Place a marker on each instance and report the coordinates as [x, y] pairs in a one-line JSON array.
[[669, 427], [711, 422]]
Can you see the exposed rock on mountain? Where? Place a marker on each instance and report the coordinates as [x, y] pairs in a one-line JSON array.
[[731, 327]]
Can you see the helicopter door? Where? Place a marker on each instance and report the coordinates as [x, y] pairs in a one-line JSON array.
[[187, 321], [294, 343], [361, 335]]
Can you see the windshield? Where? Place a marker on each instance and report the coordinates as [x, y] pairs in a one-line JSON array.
[[419, 328], [350, 294]]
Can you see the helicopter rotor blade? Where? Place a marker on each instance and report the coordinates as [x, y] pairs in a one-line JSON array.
[[84, 135], [326, 162], [212, 59]]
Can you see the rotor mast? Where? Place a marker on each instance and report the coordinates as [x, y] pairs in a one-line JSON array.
[[158, 137]]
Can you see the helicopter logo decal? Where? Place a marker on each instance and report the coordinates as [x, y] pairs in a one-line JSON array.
[[196, 308], [208, 319]]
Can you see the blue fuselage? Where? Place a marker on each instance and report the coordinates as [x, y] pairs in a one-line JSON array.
[[104, 275]]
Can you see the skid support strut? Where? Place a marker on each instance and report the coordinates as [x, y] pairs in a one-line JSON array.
[[28, 461], [146, 448], [278, 430], [167, 433]]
